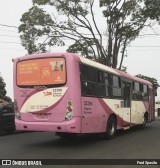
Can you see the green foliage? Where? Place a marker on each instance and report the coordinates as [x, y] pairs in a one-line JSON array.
[[152, 9], [3, 91], [37, 23], [81, 47], [124, 23], [71, 19], [75, 19], [124, 69], [2, 88]]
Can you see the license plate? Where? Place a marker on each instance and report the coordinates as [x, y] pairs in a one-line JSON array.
[[42, 115]]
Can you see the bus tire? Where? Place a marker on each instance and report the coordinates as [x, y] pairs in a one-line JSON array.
[[111, 128], [145, 120]]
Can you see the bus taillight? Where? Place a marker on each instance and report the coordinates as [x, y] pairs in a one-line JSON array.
[[69, 111], [17, 113], [69, 103]]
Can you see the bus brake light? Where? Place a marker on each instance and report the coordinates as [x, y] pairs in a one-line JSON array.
[[69, 111], [17, 113]]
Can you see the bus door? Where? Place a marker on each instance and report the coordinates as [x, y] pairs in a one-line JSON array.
[[126, 105]]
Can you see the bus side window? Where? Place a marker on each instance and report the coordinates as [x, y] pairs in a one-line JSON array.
[[145, 89], [106, 78], [126, 87], [88, 80], [101, 90], [92, 75], [83, 72], [108, 83], [140, 91], [116, 81], [87, 73], [100, 77], [88, 89], [117, 92], [145, 92], [136, 90], [100, 86]]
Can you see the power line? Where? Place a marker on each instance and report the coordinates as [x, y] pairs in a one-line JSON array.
[[8, 31], [9, 48], [143, 50], [8, 36], [9, 42], [144, 46], [8, 26], [87, 34], [150, 34]]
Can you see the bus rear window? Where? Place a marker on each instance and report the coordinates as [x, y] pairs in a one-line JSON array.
[[41, 72]]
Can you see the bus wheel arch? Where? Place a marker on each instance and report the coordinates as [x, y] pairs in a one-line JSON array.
[[111, 127]]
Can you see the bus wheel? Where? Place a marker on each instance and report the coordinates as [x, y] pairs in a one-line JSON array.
[[144, 121], [64, 135], [111, 128]]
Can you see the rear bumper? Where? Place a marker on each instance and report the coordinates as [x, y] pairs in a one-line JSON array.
[[72, 126]]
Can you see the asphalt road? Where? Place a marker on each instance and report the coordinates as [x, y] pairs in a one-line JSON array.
[[131, 144]]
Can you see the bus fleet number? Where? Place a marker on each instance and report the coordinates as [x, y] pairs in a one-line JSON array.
[[87, 103]]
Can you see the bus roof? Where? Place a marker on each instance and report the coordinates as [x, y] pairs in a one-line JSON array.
[[113, 71], [90, 63], [134, 78], [98, 65]]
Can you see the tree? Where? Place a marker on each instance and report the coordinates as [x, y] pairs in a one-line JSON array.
[[3, 91], [124, 23], [76, 21], [152, 9], [37, 23]]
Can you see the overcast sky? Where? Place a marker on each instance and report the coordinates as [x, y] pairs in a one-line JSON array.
[[143, 55]]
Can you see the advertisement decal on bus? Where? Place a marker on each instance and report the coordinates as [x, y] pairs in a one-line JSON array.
[[37, 72], [43, 99]]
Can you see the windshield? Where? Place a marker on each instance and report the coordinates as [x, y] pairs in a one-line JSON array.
[[41, 72]]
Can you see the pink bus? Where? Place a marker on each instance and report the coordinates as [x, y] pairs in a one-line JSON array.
[[68, 94]]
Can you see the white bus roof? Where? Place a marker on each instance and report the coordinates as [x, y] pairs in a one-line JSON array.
[[98, 65]]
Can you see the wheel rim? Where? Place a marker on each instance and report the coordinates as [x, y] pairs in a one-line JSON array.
[[144, 121], [111, 128]]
